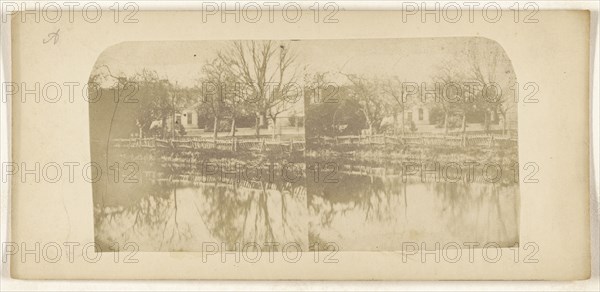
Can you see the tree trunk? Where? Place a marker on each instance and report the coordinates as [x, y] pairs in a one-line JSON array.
[[263, 119], [233, 127], [504, 123], [274, 128], [216, 128], [446, 122], [395, 128], [403, 121], [257, 125], [164, 127], [486, 121], [369, 123]]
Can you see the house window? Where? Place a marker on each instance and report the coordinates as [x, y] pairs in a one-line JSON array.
[[189, 118], [409, 116], [420, 114]]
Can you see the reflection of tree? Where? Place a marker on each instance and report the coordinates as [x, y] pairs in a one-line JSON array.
[[232, 214], [460, 201], [152, 216], [371, 194], [237, 215], [175, 226], [223, 206], [455, 211], [376, 198]]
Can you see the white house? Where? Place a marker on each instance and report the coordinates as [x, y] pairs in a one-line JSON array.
[[418, 114], [189, 118]]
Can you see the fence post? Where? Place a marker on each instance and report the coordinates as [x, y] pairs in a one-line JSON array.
[[292, 145]]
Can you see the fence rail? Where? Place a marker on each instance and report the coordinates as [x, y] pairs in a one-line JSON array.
[[231, 144], [259, 145], [419, 140]]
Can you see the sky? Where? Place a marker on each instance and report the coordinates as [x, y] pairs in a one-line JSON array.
[[411, 60]]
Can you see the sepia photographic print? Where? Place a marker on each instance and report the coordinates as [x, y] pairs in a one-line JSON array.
[[384, 146], [352, 145]]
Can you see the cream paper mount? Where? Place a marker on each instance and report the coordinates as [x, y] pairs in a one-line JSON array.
[[372, 148]]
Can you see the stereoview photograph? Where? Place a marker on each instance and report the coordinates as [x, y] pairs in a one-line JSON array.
[[353, 145]]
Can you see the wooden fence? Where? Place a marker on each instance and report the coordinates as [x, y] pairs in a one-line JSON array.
[[232, 144], [419, 140], [236, 144]]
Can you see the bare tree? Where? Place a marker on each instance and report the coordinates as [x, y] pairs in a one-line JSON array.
[[366, 92], [491, 69], [215, 83], [393, 88], [265, 67], [153, 98], [453, 96]]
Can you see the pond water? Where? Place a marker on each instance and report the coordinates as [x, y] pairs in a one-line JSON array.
[[172, 211], [369, 213]]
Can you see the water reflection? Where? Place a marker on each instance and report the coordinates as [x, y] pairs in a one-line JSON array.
[[173, 207], [176, 215], [363, 213]]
